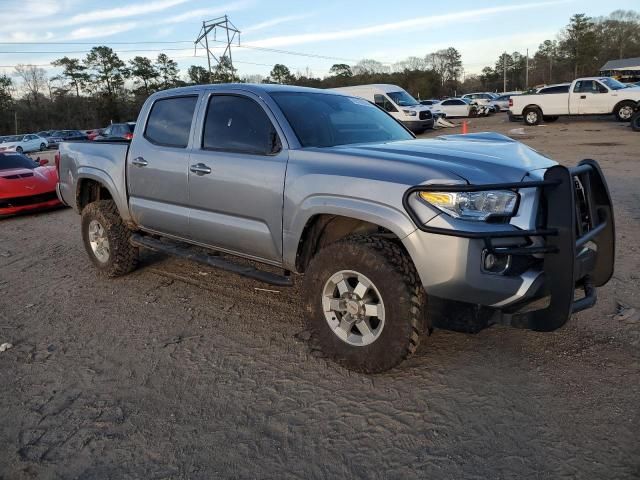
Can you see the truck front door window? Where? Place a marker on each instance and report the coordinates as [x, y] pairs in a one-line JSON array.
[[238, 124], [169, 122]]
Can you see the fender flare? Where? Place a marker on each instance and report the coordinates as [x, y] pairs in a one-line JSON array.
[[102, 177], [393, 219]]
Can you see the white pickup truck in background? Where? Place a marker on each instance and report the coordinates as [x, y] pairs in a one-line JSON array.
[[586, 96]]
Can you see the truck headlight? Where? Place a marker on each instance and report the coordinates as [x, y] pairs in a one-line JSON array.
[[411, 113], [474, 205]]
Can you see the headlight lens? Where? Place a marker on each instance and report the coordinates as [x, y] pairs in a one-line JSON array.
[[474, 205], [411, 113]]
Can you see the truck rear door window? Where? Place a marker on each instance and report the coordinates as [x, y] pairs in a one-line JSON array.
[[169, 122], [238, 124]]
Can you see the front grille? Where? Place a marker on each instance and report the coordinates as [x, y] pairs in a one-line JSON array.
[[28, 200], [425, 115]]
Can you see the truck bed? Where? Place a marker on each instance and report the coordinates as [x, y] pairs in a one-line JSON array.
[[103, 161]]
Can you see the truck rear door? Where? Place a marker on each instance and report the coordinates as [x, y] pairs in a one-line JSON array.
[[589, 97], [158, 165], [236, 177]]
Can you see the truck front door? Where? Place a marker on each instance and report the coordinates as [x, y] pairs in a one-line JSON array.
[[158, 166], [236, 177], [589, 97]]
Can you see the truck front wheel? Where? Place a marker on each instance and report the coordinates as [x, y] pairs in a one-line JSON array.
[[364, 303], [624, 111], [532, 116], [106, 239]]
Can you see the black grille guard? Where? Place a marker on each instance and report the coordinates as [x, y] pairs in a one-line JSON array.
[[578, 238]]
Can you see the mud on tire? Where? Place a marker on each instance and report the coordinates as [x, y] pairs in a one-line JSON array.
[[392, 273], [122, 257]]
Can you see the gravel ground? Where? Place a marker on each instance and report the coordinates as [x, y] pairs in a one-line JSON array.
[[181, 371]]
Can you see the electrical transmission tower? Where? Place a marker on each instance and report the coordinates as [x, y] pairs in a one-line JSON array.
[[224, 27]]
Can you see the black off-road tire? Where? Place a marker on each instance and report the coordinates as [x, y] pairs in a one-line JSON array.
[[550, 118], [529, 117], [623, 105], [123, 257], [392, 272], [635, 122]]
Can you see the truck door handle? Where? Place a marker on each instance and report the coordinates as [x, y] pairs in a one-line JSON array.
[[139, 162], [583, 97], [200, 169]]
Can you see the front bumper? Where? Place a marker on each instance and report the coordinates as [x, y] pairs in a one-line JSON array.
[[571, 249], [27, 204], [418, 126]]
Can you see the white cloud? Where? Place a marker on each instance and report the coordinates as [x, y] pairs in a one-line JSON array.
[[121, 12], [275, 21], [412, 23], [207, 13], [97, 32]]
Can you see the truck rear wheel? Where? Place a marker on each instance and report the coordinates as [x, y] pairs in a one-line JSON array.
[[106, 239], [364, 303], [532, 116], [624, 111]]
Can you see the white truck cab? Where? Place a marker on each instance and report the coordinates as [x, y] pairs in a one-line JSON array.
[[397, 102], [584, 96]]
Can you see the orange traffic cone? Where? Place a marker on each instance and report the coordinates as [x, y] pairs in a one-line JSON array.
[[464, 127]]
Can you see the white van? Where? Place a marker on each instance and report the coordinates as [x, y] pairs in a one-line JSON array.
[[397, 102]]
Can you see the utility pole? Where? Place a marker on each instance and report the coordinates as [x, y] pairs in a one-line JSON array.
[[229, 31], [526, 81], [15, 121], [504, 71]]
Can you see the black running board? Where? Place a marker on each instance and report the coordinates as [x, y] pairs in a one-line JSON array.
[[182, 250]]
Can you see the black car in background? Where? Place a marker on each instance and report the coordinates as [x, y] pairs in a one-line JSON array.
[[117, 131], [64, 136]]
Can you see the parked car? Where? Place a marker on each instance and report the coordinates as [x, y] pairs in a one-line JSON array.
[[455, 107], [501, 103], [397, 102], [92, 134], [481, 98], [26, 184], [328, 186], [586, 96], [23, 143], [65, 136], [117, 131]]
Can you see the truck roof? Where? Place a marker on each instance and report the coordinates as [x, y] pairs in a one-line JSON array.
[[384, 87], [250, 87]]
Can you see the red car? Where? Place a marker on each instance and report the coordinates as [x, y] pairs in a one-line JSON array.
[[25, 184]]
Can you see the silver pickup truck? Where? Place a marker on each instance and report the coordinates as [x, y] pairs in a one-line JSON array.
[[391, 234]]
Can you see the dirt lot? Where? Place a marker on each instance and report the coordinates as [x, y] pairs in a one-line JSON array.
[[180, 371]]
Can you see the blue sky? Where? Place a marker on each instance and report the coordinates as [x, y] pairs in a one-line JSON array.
[[350, 30]]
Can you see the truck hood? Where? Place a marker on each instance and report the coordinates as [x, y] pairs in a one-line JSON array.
[[477, 158]]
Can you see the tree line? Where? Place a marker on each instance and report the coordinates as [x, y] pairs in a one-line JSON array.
[[102, 88]]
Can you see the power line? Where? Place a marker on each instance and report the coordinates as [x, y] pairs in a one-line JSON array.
[[247, 46]]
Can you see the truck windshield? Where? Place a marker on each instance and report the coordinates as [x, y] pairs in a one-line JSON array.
[[403, 99], [327, 120], [612, 83]]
